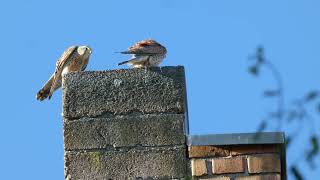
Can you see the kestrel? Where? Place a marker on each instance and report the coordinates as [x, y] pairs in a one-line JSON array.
[[146, 53], [75, 58]]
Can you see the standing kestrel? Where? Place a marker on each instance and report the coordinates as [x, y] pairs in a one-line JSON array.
[[75, 58], [146, 53]]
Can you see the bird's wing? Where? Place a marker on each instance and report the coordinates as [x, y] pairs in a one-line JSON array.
[[86, 61], [142, 47], [44, 91], [63, 60], [135, 59]]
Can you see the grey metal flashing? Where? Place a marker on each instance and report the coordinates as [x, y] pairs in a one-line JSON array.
[[237, 139]]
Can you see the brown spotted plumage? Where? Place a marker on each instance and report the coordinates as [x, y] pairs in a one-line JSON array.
[[146, 53], [75, 58]]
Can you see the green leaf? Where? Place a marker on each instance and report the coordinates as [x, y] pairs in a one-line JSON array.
[[314, 148], [318, 107], [262, 126], [254, 70], [260, 54], [296, 173], [311, 95], [271, 93]]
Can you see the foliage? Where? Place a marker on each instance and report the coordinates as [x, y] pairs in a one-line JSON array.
[[298, 111]]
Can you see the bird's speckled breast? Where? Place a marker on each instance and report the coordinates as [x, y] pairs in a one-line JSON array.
[[77, 63], [155, 60]]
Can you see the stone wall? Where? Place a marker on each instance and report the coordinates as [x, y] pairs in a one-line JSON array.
[[125, 124]]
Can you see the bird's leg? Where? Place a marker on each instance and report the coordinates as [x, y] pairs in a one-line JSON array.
[[146, 64], [145, 69], [145, 72]]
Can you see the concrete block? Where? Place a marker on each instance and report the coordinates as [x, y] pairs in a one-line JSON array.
[[124, 92], [160, 163], [124, 131]]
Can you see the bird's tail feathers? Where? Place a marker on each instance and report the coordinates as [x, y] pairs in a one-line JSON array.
[[133, 60], [125, 52], [43, 94], [124, 62]]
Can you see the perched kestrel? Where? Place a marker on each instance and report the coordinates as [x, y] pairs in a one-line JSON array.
[[75, 58], [146, 53]]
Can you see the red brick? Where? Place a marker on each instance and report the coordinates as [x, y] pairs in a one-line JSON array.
[[218, 178], [227, 165], [264, 163], [199, 167], [254, 149], [260, 177], [208, 151]]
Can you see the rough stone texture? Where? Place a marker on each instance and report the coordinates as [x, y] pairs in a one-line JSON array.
[[254, 149], [208, 151], [163, 163], [119, 92], [260, 177], [227, 165], [124, 131], [264, 163], [199, 167]]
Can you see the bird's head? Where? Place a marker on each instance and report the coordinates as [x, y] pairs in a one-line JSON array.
[[84, 50]]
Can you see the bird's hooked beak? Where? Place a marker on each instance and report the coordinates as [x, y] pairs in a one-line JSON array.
[[89, 50]]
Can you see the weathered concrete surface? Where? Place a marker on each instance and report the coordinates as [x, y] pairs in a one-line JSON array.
[[162, 163], [119, 92], [124, 131], [125, 124]]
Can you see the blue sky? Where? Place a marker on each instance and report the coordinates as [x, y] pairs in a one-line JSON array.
[[212, 39]]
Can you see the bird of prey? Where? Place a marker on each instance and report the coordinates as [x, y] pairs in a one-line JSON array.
[[146, 53], [75, 58]]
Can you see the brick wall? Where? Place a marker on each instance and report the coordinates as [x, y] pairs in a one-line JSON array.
[[247, 161]]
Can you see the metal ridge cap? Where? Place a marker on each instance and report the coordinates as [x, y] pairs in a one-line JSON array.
[[237, 139]]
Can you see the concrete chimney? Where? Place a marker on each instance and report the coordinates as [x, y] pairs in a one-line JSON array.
[[133, 124]]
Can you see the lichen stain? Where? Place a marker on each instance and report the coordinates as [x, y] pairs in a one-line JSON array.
[[95, 159]]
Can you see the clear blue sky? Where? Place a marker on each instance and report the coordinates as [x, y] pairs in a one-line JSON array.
[[212, 39]]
